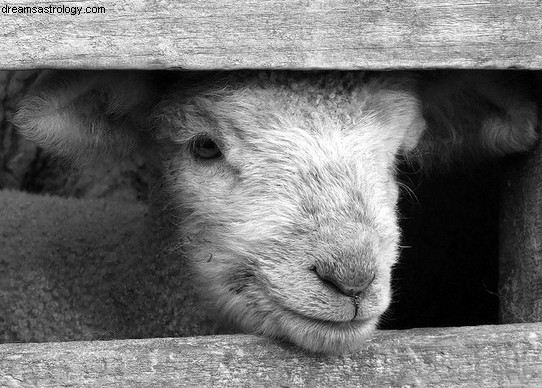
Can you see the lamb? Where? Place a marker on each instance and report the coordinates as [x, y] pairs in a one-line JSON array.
[[91, 269], [281, 186]]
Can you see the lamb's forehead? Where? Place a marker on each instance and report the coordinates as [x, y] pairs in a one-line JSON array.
[[341, 94], [248, 102]]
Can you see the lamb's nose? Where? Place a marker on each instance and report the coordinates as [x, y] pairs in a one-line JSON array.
[[351, 287]]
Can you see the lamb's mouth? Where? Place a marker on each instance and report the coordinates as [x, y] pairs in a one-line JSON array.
[[327, 323], [322, 336], [313, 334]]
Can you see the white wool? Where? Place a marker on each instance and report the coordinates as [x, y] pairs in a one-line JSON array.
[[305, 189]]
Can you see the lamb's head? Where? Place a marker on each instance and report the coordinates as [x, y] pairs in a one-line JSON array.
[[287, 192], [283, 183]]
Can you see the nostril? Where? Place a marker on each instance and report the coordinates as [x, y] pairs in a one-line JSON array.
[[350, 287]]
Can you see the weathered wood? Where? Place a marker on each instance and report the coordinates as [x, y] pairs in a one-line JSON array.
[[233, 34], [505, 355], [520, 250]]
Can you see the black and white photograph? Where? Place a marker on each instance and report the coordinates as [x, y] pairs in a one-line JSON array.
[[273, 193]]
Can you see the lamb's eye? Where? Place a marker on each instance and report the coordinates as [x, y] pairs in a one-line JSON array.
[[206, 148]]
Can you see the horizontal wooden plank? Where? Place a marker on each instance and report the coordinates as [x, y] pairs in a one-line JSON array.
[[505, 355], [234, 34]]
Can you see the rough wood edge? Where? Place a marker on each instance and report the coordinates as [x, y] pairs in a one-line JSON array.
[[466, 356], [230, 34]]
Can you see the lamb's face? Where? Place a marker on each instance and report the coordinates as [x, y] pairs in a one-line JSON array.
[[287, 198], [285, 181]]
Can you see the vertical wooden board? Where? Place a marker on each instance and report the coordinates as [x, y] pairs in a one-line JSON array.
[[520, 251]]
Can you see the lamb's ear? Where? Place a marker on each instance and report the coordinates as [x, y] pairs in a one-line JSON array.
[[476, 114], [78, 113]]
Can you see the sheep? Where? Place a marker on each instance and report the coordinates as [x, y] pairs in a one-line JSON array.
[[91, 269], [281, 185]]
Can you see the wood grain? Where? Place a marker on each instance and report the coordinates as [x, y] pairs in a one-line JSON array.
[[509, 355], [520, 246], [234, 34]]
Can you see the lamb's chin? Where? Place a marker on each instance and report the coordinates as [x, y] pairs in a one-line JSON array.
[[312, 335], [325, 337]]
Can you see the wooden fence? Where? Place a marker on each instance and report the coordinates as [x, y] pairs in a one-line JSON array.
[[302, 34]]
